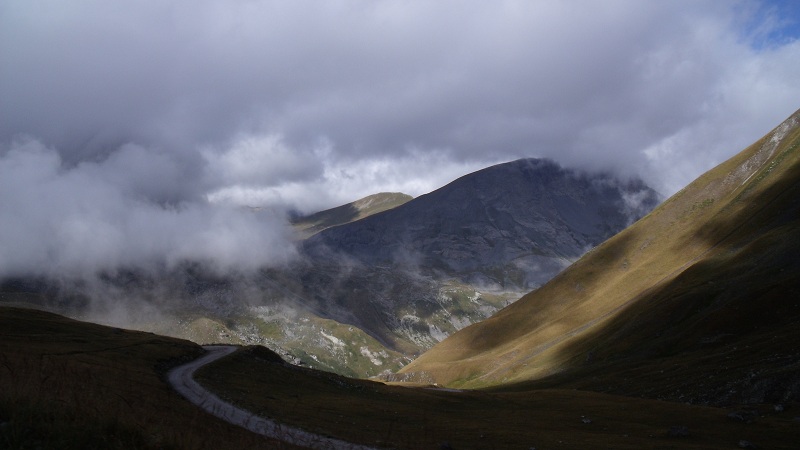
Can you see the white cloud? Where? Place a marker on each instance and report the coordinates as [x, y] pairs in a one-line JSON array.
[[80, 220], [262, 160]]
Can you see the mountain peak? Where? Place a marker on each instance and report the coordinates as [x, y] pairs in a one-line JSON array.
[[524, 219]]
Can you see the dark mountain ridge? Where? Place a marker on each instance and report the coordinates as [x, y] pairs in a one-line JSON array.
[[514, 224]]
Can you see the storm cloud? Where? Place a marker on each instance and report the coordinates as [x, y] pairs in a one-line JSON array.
[[138, 131]]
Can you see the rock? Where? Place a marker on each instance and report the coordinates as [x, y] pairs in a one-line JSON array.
[[747, 444], [678, 431], [742, 416]]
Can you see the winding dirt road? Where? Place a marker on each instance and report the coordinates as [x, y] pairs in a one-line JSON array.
[[181, 378]]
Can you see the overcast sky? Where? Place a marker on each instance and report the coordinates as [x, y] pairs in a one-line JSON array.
[[131, 131]]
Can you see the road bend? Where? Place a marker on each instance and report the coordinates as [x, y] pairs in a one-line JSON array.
[[182, 380]]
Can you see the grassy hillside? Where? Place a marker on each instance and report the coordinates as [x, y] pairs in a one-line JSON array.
[[75, 385], [367, 206], [372, 413], [714, 265], [384, 416]]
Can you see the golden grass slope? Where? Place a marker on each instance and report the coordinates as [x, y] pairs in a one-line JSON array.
[[373, 204], [725, 210]]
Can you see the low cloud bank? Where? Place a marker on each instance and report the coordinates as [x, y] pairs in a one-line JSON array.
[[123, 211]]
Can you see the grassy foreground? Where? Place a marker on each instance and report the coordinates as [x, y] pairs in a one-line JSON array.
[[376, 414], [66, 384], [73, 385]]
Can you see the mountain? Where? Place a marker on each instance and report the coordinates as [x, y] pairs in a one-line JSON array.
[[412, 275], [369, 295], [514, 224], [696, 302], [314, 223]]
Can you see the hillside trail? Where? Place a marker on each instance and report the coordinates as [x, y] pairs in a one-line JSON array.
[[182, 380]]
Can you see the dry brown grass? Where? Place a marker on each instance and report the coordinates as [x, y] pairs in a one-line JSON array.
[[399, 417], [68, 384], [73, 385]]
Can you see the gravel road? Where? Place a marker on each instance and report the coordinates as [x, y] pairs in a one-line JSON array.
[[181, 378]]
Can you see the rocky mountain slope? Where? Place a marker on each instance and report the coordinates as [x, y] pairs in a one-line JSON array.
[[696, 302]]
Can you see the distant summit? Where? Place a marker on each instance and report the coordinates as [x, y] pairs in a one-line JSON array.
[[510, 225]]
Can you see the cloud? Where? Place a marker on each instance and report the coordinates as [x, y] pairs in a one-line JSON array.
[[147, 116], [90, 218]]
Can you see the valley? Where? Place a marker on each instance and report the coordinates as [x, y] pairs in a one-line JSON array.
[[400, 225], [377, 281], [678, 332], [72, 383]]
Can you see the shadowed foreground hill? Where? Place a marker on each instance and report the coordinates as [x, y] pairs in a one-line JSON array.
[[66, 384], [698, 301]]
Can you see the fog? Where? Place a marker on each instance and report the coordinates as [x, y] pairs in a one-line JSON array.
[[124, 211]]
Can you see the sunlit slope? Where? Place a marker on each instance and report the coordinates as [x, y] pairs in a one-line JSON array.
[[359, 209], [747, 204]]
